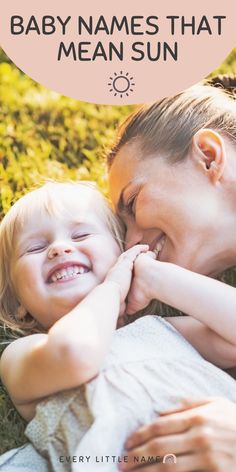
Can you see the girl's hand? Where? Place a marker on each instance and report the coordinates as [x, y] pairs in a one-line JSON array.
[[141, 292], [202, 435], [121, 272]]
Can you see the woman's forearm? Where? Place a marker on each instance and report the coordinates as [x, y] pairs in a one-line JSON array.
[[207, 300]]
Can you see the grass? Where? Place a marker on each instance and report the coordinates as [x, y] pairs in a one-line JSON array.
[[45, 134]]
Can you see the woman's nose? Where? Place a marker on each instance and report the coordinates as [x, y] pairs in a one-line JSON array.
[[59, 249], [134, 235]]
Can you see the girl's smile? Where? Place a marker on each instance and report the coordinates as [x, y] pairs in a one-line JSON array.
[[59, 259], [66, 271]]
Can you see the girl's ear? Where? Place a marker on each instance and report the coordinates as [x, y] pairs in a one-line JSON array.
[[21, 312], [209, 152]]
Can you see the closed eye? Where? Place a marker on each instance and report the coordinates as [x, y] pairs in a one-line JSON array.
[[80, 236], [37, 248], [130, 205]]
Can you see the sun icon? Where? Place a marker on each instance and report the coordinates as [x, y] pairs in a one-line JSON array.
[[121, 84]]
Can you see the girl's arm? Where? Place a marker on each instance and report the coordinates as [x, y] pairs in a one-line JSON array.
[[211, 304], [73, 350], [69, 355]]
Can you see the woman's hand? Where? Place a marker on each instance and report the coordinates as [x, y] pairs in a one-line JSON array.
[[141, 291], [202, 435]]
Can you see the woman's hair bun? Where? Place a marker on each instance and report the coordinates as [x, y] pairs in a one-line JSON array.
[[226, 81]]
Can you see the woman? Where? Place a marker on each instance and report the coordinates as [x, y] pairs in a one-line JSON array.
[[172, 178]]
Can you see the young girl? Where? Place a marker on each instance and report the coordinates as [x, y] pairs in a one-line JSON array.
[[61, 282]]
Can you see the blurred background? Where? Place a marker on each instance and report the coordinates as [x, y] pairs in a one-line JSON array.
[[46, 135], [43, 134]]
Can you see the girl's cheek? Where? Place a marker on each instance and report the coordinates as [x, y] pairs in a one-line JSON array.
[[28, 266]]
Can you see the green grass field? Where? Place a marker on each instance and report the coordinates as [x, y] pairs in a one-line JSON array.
[[45, 135]]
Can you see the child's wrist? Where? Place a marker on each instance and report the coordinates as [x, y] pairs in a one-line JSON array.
[[156, 280], [163, 280]]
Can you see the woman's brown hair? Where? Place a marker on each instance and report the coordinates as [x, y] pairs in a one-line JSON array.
[[168, 125]]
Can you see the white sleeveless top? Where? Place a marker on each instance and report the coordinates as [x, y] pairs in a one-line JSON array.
[[150, 367]]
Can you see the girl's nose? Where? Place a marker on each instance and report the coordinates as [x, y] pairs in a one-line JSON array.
[[59, 249], [134, 235]]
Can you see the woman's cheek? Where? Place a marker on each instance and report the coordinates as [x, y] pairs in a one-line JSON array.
[[146, 209]]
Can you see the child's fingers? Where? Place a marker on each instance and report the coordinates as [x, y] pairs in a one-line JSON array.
[[150, 254], [132, 253]]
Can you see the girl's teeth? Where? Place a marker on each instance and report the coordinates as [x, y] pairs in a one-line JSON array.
[[67, 273]]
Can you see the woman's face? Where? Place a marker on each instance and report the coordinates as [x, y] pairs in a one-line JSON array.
[[172, 207]]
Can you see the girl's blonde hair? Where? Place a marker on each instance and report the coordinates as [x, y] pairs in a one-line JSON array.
[[51, 198], [168, 126]]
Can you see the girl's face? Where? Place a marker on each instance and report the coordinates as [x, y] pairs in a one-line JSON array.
[[58, 260], [173, 208]]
